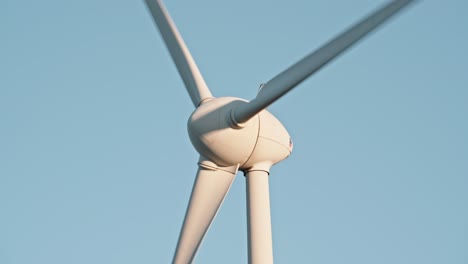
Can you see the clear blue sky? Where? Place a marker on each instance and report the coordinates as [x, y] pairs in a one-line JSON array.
[[96, 166]]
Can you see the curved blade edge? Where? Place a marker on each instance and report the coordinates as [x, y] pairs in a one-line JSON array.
[[291, 77], [209, 190], [188, 70]]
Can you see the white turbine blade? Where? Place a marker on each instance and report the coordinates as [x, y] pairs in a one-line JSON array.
[[209, 190], [288, 79], [188, 70]]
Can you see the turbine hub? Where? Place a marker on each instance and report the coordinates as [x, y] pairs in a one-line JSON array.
[[255, 145]]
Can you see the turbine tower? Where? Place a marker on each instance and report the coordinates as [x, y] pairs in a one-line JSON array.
[[233, 134]]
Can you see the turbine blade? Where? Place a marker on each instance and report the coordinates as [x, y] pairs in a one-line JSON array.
[[209, 190], [188, 70], [288, 79]]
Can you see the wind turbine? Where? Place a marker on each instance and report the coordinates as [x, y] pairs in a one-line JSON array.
[[233, 134]]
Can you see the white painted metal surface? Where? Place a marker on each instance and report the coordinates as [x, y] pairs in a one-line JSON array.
[[260, 243], [261, 140]]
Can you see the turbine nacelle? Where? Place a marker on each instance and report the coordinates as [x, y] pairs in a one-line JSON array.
[[254, 145]]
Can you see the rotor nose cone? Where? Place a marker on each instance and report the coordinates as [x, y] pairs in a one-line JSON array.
[[273, 144]]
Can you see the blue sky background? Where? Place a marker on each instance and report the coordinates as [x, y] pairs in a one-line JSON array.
[[96, 165]]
